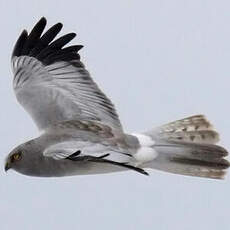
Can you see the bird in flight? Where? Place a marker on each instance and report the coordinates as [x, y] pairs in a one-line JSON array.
[[81, 131]]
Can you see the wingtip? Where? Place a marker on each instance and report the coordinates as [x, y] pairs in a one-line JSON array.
[[144, 172], [24, 32], [39, 26], [38, 45], [72, 35], [19, 43], [42, 20], [58, 26]]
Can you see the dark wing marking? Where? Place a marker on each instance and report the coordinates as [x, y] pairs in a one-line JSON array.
[[33, 45], [101, 159]]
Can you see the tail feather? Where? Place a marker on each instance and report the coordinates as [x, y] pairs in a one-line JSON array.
[[191, 150], [201, 160], [188, 147], [191, 129], [189, 167]]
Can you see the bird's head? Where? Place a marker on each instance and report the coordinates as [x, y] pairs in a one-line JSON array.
[[18, 158], [14, 159]]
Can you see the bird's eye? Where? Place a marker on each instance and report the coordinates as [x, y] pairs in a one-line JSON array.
[[16, 157]]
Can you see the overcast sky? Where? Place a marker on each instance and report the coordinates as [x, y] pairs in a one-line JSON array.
[[158, 61]]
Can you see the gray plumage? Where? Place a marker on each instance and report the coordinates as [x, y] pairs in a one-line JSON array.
[[81, 131]]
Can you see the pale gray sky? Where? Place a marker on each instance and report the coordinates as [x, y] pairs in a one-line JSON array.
[[158, 61]]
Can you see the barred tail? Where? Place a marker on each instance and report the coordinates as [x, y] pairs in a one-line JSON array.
[[188, 147]]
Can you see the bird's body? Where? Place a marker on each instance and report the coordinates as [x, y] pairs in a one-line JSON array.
[[81, 131], [65, 138]]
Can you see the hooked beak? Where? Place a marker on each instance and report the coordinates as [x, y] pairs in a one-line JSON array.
[[7, 166]]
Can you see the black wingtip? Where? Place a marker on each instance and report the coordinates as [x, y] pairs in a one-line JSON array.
[[144, 172], [42, 22], [62, 41], [43, 47], [34, 36], [43, 19], [20, 43], [137, 169], [102, 159]]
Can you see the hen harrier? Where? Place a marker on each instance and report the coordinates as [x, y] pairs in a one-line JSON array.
[[81, 131]]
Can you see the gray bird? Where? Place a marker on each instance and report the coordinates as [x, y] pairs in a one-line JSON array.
[[81, 132]]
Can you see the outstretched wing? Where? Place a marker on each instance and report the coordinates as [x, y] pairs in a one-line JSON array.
[[90, 152], [65, 149], [51, 83]]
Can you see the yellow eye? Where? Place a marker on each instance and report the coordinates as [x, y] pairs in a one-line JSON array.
[[16, 157]]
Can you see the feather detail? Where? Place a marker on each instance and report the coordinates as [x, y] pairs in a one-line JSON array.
[[195, 129]]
